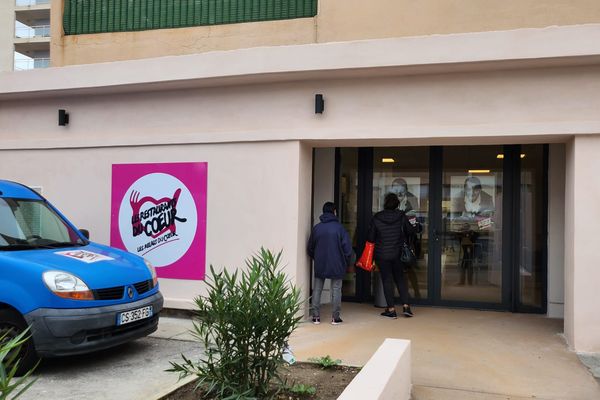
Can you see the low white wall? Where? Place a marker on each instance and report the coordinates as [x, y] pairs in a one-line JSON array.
[[386, 376]]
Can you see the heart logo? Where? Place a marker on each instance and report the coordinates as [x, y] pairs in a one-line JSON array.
[[157, 219]]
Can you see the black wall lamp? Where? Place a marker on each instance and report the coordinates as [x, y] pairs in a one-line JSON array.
[[319, 104], [63, 118]]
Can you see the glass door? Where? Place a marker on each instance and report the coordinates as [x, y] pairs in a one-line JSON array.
[[533, 225], [347, 202], [405, 172], [471, 224], [480, 213]]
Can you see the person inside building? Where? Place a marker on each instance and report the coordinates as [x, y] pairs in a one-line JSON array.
[[467, 239], [473, 200], [330, 248], [408, 201], [389, 230], [474, 210]]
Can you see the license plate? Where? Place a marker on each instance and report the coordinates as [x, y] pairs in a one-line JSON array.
[[134, 315]]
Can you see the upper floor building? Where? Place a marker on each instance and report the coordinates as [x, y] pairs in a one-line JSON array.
[[90, 31], [25, 36], [508, 90]]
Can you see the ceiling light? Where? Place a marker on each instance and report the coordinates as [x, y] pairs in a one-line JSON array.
[[387, 160], [479, 171], [500, 156], [522, 155]]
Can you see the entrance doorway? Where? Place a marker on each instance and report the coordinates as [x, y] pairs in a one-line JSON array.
[[479, 213]]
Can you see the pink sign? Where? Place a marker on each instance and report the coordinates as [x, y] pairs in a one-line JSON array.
[[158, 211]]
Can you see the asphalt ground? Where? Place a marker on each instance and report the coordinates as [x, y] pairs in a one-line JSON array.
[[133, 371]]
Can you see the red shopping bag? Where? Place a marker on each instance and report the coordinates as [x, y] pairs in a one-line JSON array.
[[366, 259]]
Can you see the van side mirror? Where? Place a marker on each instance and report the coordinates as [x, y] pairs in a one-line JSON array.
[[85, 233]]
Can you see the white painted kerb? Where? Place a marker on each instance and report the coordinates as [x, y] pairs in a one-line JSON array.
[[386, 376]]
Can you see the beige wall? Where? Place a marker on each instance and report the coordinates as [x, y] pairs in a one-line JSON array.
[[258, 195], [261, 115], [93, 48], [303, 188], [359, 19], [57, 33], [323, 190], [336, 21], [494, 107], [569, 247], [556, 230], [7, 35], [582, 275], [324, 180]]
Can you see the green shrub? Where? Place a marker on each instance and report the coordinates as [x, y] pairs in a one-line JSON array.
[[303, 390], [243, 323], [325, 362], [9, 364]]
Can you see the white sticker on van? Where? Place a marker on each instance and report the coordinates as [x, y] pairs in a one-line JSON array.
[[84, 256]]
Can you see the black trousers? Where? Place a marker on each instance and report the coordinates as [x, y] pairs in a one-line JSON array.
[[393, 271], [466, 264]]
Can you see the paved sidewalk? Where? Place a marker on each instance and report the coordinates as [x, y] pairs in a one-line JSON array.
[[460, 354], [134, 371], [456, 354]]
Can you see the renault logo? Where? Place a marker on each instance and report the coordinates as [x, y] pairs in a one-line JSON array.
[[130, 292]]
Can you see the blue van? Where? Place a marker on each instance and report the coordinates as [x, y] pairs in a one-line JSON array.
[[77, 296]]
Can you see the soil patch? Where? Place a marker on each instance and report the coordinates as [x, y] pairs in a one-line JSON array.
[[329, 383]]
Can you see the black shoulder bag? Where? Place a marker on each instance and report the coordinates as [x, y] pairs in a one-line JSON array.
[[407, 255]]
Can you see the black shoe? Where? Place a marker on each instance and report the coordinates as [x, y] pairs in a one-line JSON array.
[[389, 314], [407, 312], [336, 321], [316, 320]]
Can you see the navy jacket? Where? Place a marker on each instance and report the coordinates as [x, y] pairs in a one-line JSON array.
[[329, 245]]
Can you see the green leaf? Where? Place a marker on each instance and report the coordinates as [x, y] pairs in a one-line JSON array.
[[243, 323], [9, 353], [325, 362]]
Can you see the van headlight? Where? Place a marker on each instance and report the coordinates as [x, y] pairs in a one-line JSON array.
[[152, 272], [67, 286]]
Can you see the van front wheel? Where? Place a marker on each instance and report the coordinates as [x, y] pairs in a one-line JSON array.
[[11, 325]]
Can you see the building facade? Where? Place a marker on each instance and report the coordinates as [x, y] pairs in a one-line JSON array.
[[25, 36], [482, 116]]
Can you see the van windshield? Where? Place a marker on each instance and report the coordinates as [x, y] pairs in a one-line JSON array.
[[32, 224]]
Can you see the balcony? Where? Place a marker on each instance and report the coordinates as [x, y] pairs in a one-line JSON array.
[[31, 40], [32, 12], [30, 32], [30, 3], [31, 63]]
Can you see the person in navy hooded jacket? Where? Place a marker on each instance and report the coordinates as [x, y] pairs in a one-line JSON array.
[[329, 246]]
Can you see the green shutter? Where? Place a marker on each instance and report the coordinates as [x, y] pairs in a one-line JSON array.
[[79, 17], [98, 16]]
